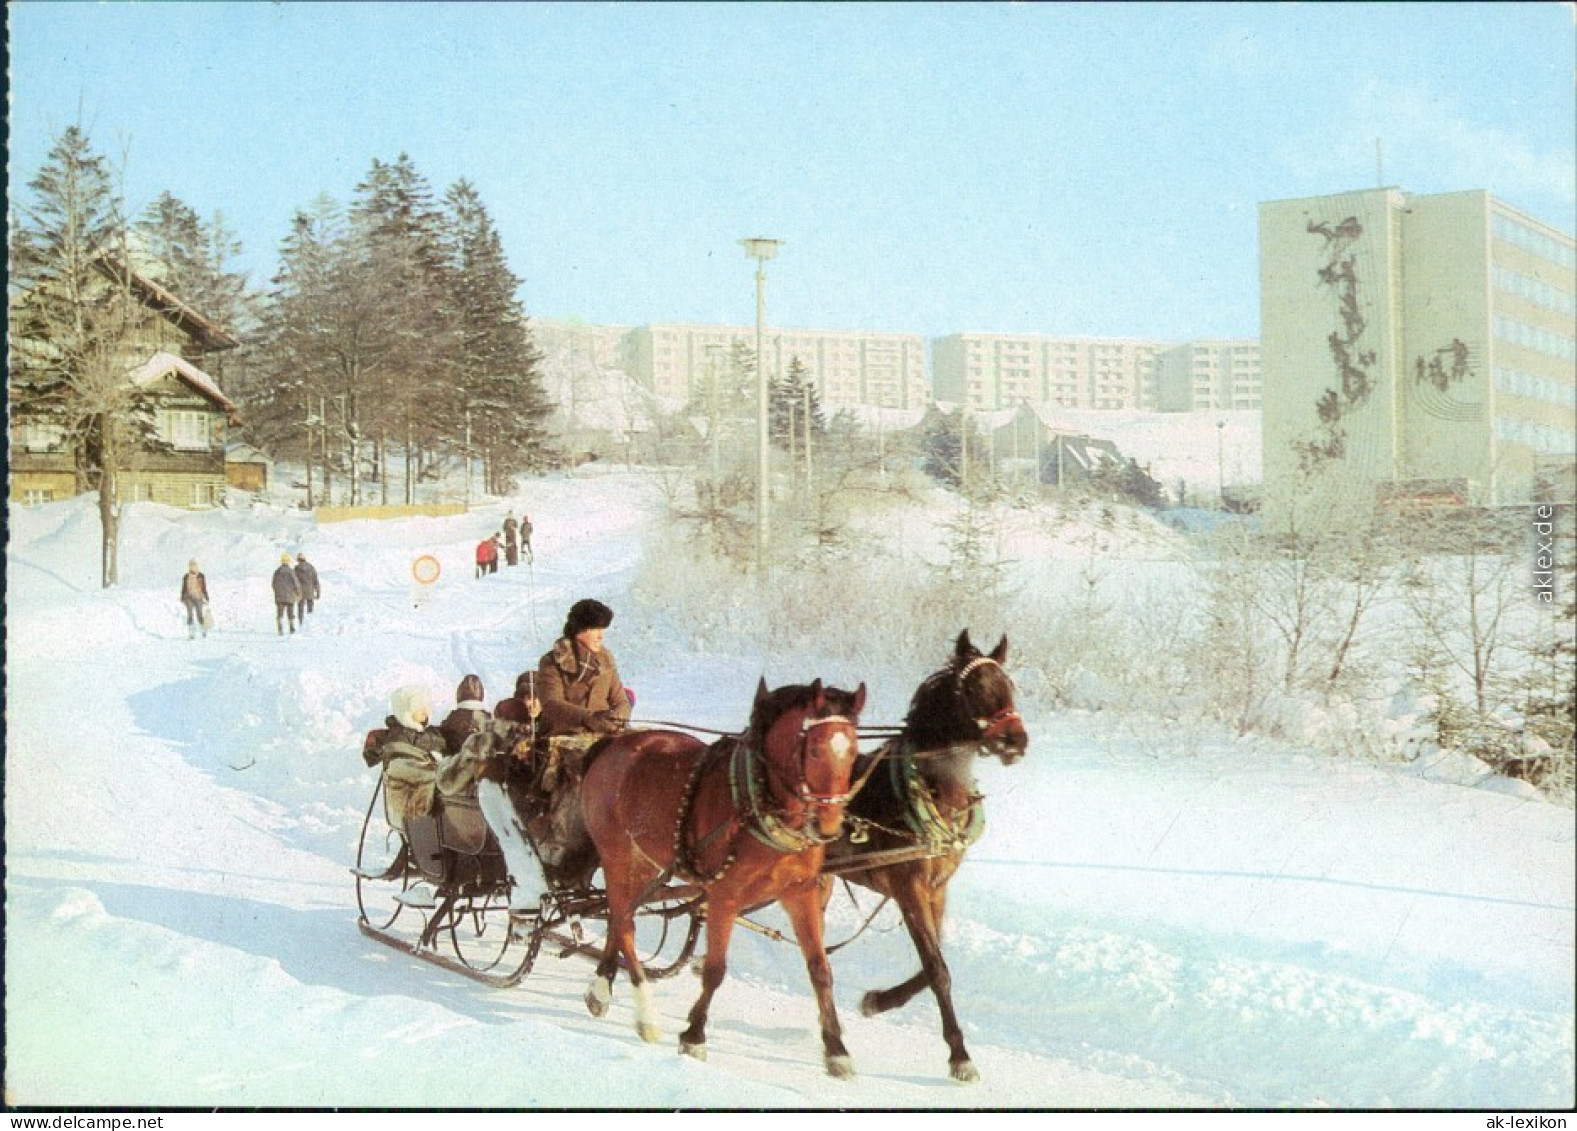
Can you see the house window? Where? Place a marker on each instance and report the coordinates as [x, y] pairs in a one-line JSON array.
[[186, 429], [205, 494], [39, 437], [32, 496], [140, 492]]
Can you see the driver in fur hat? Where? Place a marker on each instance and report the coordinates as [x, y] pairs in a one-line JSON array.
[[577, 681]]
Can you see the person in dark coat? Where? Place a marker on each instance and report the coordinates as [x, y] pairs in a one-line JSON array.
[[525, 537], [511, 543], [307, 582], [194, 595], [287, 595], [468, 715], [577, 680]]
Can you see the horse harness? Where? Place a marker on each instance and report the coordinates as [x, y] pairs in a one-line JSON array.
[[933, 830], [750, 781]]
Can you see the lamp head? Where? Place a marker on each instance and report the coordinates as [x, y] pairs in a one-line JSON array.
[[760, 248]]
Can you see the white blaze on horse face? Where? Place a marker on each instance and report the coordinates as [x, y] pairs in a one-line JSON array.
[[839, 744]]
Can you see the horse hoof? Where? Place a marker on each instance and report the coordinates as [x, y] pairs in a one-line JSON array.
[[840, 1067], [598, 997], [964, 1072], [870, 1004], [697, 1051], [650, 1033]]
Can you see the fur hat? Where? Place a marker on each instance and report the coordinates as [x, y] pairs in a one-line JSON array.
[[409, 701], [284, 559], [586, 613], [192, 565], [525, 683], [470, 692]]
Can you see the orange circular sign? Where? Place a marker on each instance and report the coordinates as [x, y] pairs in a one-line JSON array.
[[426, 569]]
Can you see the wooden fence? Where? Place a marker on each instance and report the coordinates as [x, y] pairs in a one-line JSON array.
[[403, 510]]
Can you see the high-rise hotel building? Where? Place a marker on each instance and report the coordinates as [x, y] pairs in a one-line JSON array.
[[1410, 339]]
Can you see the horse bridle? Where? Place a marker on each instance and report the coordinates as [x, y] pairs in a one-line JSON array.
[[990, 727], [802, 791]]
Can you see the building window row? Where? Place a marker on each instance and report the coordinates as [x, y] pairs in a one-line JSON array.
[[1536, 338], [1524, 286], [1535, 387], [1547, 439], [1520, 235]]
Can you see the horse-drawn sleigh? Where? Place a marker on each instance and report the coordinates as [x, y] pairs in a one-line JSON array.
[[676, 836]]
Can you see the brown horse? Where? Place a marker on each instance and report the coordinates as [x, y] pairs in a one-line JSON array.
[[920, 811], [746, 820]]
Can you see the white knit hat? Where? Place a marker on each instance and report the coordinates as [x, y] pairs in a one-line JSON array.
[[409, 701]]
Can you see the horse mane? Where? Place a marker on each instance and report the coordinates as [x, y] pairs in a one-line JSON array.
[[770, 707], [933, 711]]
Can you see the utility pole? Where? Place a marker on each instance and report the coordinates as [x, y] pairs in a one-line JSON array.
[[808, 478], [761, 250], [711, 428]]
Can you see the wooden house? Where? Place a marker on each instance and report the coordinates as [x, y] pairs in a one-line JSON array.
[[185, 465]]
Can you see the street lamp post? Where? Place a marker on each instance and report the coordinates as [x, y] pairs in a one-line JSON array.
[[761, 250], [1221, 465]]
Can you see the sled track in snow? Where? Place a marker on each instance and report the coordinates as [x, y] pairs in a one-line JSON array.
[[1279, 877]]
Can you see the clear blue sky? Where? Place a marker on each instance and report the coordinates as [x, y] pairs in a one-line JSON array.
[[1084, 169]]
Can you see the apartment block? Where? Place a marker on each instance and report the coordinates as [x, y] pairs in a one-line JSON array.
[[602, 345], [1202, 375], [1416, 338], [846, 367], [996, 371]]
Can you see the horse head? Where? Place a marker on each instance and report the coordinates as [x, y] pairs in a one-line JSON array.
[[969, 704], [809, 740]]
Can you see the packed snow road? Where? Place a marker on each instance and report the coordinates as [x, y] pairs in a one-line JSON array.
[[1153, 918]]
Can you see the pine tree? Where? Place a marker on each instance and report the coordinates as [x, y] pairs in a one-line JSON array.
[[786, 408], [497, 365], [192, 259], [333, 333], [399, 235]]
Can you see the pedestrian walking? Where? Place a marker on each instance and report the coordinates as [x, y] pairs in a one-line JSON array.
[[287, 595], [511, 539], [307, 581], [194, 596]]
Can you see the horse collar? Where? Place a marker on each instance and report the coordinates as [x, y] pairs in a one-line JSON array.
[[747, 780], [952, 830]]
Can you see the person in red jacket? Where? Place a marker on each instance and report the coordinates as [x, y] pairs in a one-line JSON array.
[[487, 556]]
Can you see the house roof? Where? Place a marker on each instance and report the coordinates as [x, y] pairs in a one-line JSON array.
[[199, 325], [162, 365]]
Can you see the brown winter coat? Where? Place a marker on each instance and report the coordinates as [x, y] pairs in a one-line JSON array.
[[580, 693]]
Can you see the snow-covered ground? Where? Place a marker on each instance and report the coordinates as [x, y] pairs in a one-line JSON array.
[[1154, 919]]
